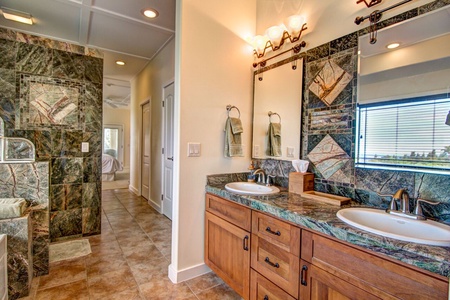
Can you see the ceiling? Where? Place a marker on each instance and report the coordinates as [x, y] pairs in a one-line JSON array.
[[116, 27]]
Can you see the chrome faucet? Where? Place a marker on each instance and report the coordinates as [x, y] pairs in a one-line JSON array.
[[261, 175], [402, 196]]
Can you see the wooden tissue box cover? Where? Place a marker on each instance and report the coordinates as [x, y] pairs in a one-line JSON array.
[[301, 182]]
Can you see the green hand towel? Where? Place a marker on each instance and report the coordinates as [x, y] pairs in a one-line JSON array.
[[274, 139], [233, 143]]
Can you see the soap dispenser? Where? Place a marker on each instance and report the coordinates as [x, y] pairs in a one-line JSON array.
[[251, 168]]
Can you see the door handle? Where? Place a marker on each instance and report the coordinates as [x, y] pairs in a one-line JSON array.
[[170, 158], [303, 276], [245, 243]]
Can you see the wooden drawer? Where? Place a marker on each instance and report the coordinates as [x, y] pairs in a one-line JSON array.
[[262, 289], [234, 213], [282, 234], [275, 263], [377, 274]]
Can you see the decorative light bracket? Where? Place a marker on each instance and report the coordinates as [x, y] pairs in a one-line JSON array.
[[285, 36], [370, 4]]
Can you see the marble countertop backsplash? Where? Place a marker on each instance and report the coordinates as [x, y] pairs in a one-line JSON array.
[[321, 217]]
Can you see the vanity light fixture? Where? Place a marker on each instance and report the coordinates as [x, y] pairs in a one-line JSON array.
[[18, 16], [275, 36], [393, 45], [120, 63], [150, 13]]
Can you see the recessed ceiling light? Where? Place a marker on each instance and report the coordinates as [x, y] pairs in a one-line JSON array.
[[393, 45], [120, 62], [150, 13], [18, 16]]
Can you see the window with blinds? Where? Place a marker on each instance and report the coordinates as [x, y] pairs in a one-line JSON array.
[[405, 133]]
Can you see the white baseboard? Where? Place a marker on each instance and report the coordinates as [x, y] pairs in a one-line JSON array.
[[134, 190], [155, 206], [186, 274]]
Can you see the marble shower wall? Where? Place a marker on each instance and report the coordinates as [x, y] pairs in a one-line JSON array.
[[328, 131], [51, 94]]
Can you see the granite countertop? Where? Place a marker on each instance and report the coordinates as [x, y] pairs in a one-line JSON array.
[[321, 217]]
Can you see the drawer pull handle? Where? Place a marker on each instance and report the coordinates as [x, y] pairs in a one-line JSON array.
[[266, 297], [273, 232], [303, 275], [245, 243], [275, 265]]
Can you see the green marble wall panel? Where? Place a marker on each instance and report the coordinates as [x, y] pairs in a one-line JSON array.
[[66, 196], [67, 143], [91, 221], [8, 55], [34, 59], [66, 224], [68, 65], [19, 255]]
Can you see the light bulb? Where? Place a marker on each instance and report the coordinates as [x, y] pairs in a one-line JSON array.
[[275, 33], [259, 43], [295, 24]]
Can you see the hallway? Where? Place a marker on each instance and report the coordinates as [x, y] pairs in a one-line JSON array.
[[129, 260]]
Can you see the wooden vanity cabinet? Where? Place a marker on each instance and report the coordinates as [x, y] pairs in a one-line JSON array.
[[227, 242], [334, 270]]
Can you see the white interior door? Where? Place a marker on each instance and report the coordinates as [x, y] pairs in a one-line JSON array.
[[168, 150], [145, 159]]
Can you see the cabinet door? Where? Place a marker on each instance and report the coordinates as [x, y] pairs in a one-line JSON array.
[[227, 253], [317, 284]]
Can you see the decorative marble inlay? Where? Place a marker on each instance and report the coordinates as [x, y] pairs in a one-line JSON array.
[[52, 104], [47, 102], [328, 157], [329, 82]]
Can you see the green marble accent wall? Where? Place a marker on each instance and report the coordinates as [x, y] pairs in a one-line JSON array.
[[51, 94]]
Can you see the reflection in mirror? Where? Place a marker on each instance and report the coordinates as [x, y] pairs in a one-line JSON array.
[[280, 91], [404, 96]]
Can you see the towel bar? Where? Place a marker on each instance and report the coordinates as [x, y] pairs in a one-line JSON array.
[[230, 107], [270, 114]]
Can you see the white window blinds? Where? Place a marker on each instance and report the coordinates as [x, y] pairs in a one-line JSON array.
[[407, 133]]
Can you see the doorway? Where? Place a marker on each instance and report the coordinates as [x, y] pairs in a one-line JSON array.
[[113, 141], [167, 178], [145, 151]]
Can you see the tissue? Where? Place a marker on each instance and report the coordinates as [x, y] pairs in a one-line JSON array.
[[300, 165]]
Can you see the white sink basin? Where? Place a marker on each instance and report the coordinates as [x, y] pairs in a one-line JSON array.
[[379, 222], [250, 188]]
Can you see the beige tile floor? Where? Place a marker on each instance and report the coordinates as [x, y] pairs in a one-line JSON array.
[[129, 260]]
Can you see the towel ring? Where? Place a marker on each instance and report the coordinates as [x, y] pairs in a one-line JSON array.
[[230, 107], [270, 114]]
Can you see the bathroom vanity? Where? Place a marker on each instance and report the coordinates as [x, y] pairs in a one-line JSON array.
[[286, 247]]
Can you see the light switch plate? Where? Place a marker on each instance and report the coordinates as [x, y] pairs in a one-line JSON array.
[[194, 149], [290, 152], [84, 147], [256, 151]]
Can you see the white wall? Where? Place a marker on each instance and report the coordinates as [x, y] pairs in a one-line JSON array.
[[213, 69], [120, 116], [148, 85]]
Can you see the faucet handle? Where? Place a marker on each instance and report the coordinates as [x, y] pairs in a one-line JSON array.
[[393, 204], [269, 180], [418, 209]]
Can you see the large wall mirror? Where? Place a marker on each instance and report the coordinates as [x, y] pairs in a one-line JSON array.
[[403, 96], [279, 93]]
